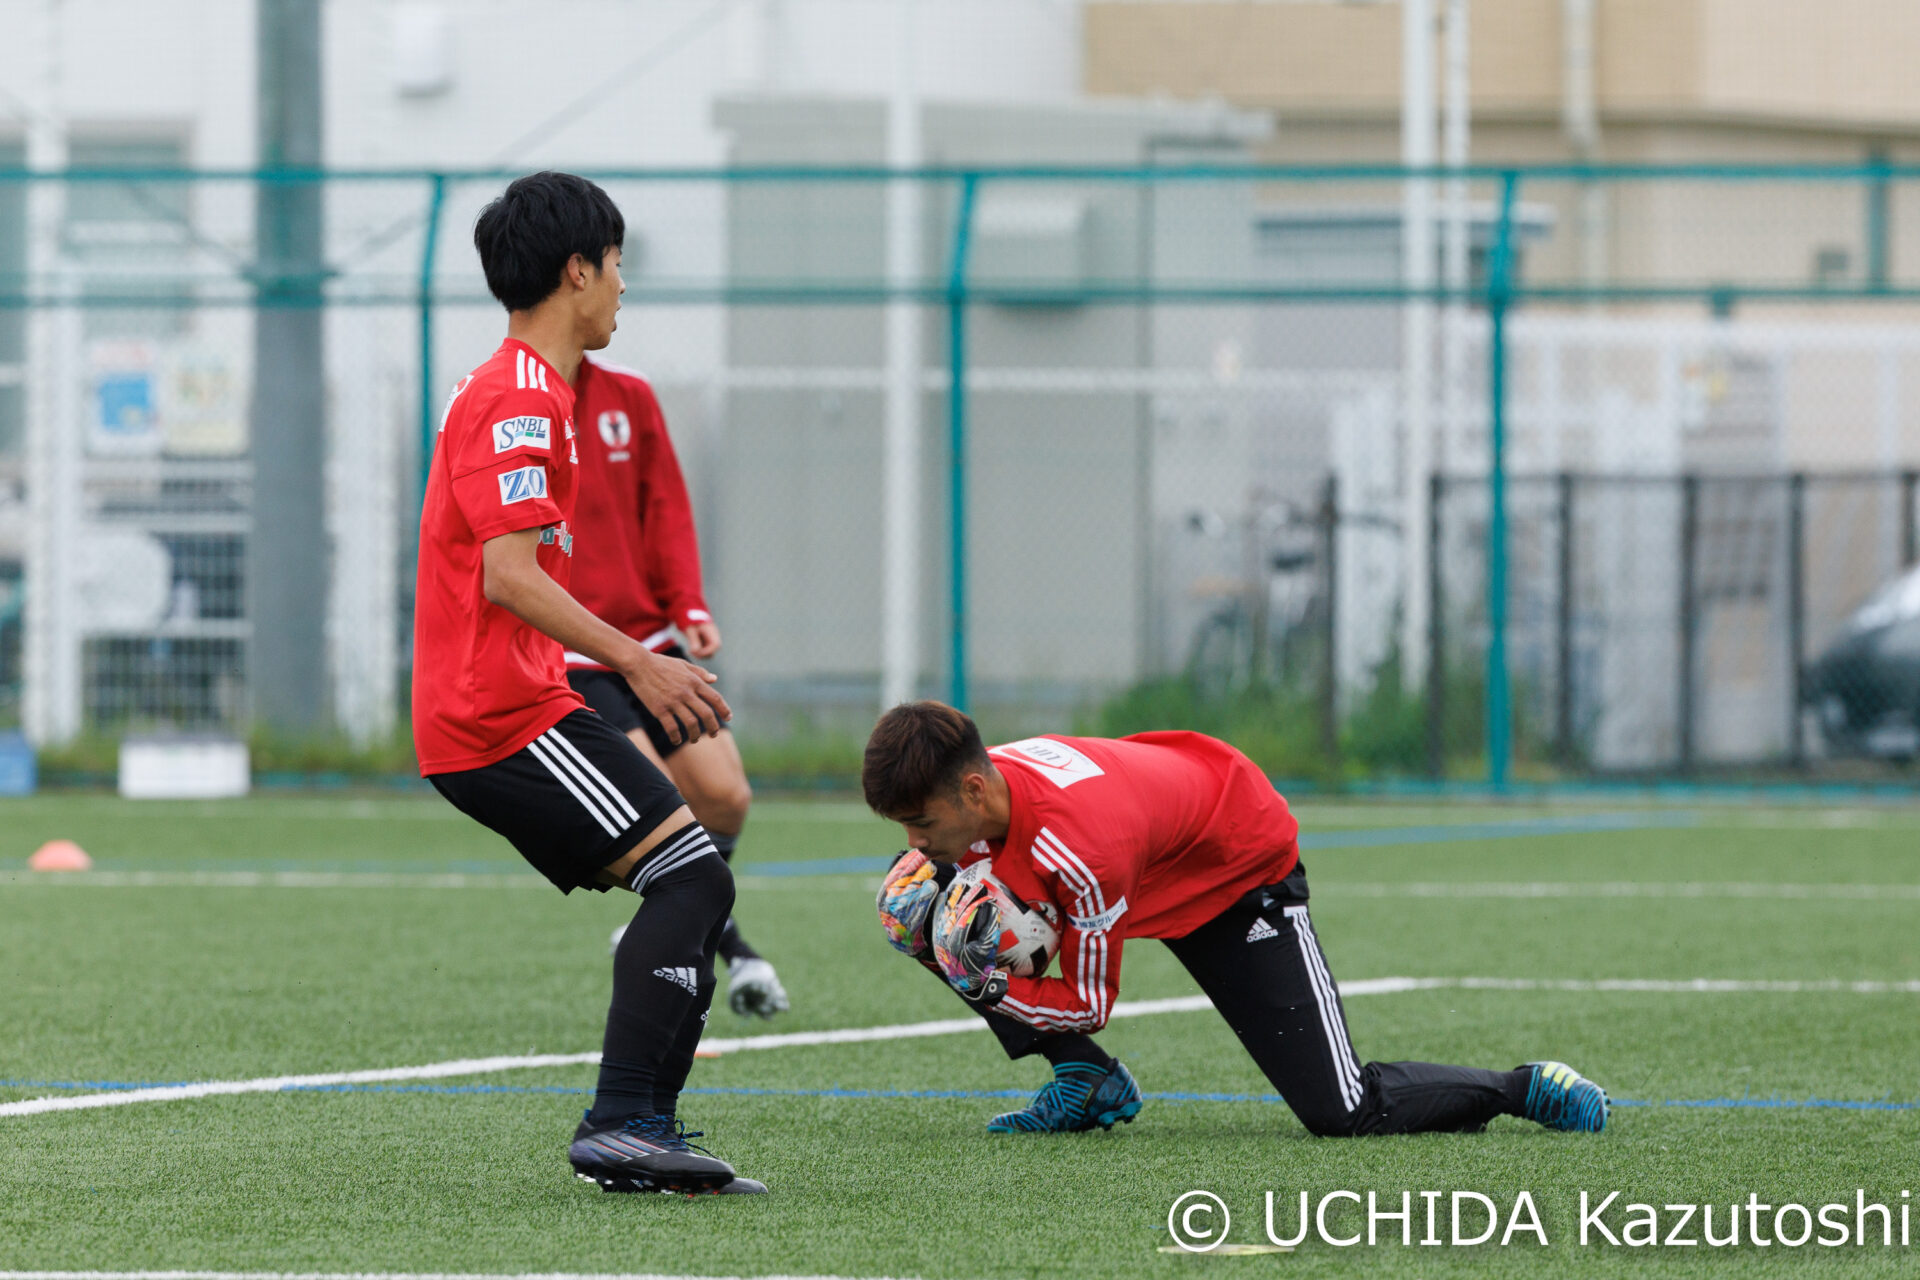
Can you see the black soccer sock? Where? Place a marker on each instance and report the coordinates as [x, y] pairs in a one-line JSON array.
[[674, 1068], [1064, 1049], [733, 947], [662, 971]]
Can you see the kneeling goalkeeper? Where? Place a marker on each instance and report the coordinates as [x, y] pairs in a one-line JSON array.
[[1175, 836]]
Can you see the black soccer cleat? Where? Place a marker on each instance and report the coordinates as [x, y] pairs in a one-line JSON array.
[[743, 1187], [645, 1153]]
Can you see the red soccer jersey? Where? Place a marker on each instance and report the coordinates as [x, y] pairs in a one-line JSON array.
[[638, 562], [485, 683], [1150, 836]]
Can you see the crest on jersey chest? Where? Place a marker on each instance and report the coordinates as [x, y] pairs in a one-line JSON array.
[[617, 431], [573, 450]]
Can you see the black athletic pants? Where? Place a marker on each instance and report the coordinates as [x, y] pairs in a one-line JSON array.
[[1259, 961]]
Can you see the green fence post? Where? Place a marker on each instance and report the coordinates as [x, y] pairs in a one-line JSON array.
[[428, 427], [1436, 628], [1499, 295], [957, 445]]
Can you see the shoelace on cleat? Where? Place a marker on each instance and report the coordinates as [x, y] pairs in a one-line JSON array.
[[686, 1137], [1064, 1096], [666, 1132]]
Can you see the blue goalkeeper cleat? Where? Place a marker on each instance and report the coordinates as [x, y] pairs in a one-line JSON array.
[[1561, 1098], [646, 1153], [1080, 1096]]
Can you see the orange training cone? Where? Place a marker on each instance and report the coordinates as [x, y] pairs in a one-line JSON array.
[[59, 855]]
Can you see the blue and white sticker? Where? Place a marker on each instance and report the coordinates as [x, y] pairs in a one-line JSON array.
[[522, 432], [521, 485], [1102, 922]]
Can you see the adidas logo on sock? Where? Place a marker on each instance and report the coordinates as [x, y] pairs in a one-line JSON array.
[[1261, 930], [680, 976]]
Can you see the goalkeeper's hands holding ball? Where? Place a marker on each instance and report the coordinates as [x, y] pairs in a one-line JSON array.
[[910, 905], [908, 896]]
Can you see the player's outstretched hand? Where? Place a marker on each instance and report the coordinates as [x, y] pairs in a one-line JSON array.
[[681, 695]]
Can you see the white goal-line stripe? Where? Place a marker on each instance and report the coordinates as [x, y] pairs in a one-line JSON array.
[[918, 1030], [372, 1275]]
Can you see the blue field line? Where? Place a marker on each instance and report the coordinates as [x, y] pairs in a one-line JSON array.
[[1709, 1104]]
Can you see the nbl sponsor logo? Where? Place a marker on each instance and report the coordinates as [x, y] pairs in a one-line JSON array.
[[521, 485], [520, 433]]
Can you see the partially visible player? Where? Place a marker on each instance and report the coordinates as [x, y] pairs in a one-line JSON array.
[[498, 730], [637, 566], [1175, 836]]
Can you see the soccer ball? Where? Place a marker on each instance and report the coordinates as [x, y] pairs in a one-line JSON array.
[[980, 926]]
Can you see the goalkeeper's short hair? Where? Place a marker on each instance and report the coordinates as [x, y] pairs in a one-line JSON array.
[[916, 751]]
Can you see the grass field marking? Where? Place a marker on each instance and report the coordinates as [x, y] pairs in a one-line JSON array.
[[527, 879], [942, 1027], [487, 1066], [276, 879], [1618, 889], [835, 869], [273, 1084], [377, 1275]]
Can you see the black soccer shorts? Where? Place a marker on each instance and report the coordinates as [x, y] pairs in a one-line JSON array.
[[609, 694], [574, 800]]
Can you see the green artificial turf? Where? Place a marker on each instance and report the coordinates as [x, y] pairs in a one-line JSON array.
[[102, 980]]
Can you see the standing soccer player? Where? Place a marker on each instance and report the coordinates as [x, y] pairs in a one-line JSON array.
[[1175, 836], [637, 566], [498, 730]]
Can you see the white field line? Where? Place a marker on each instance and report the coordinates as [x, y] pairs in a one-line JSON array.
[[1618, 889], [276, 880], [487, 1066], [367, 1275], [353, 879], [918, 1030], [1332, 889]]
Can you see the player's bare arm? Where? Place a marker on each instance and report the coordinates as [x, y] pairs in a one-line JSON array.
[[680, 693]]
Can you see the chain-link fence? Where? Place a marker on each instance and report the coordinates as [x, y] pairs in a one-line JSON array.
[[1675, 625], [1095, 449]]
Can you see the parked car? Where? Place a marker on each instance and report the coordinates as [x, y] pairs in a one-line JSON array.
[[1865, 688]]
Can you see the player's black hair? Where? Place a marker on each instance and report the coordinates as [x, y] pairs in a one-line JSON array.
[[531, 230], [916, 751]]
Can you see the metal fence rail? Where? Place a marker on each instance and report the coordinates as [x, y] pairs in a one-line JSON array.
[[1158, 426]]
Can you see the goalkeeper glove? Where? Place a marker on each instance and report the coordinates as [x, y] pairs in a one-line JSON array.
[[908, 895], [986, 994]]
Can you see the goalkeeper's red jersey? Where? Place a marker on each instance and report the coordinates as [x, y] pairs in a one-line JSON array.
[[1150, 836], [637, 565]]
